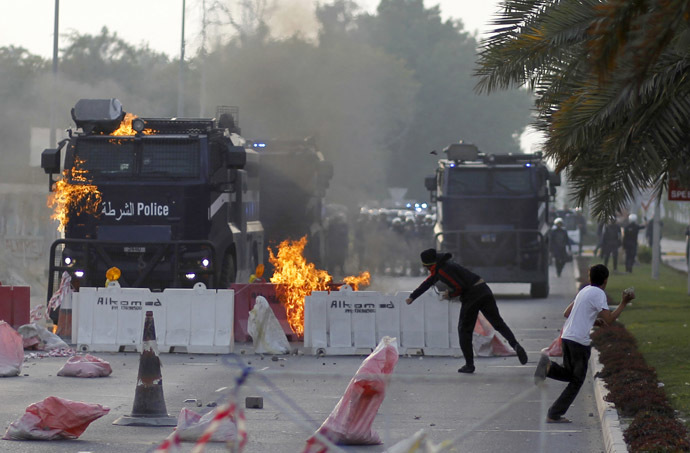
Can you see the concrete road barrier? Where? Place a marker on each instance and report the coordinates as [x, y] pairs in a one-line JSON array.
[[197, 320], [353, 322]]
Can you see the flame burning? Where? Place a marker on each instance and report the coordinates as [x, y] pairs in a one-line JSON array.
[[73, 198], [126, 127], [296, 278], [363, 279]]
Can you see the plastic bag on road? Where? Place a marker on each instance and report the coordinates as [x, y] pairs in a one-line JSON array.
[[555, 349], [49, 340], [190, 426], [265, 330], [11, 351], [54, 418], [85, 366], [417, 443], [486, 342], [351, 420]]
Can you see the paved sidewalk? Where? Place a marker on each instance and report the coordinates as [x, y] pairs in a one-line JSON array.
[[673, 254]]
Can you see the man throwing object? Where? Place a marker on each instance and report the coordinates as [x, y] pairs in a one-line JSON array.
[[589, 306], [475, 296]]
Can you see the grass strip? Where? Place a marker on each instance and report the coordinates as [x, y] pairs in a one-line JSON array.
[[659, 319]]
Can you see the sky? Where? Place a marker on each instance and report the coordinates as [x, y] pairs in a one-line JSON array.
[[30, 23], [157, 23]]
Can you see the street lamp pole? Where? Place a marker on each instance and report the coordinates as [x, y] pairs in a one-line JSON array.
[[180, 75], [51, 122]]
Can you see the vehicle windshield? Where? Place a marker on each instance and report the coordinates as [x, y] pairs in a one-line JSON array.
[[149, 159], [498, 181]]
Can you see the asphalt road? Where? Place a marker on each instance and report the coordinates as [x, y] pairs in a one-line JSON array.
[[496, 409]]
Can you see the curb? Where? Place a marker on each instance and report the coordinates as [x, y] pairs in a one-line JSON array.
[[608, 415]]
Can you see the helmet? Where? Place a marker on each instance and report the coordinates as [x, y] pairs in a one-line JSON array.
[[632, 218], [558, 221]]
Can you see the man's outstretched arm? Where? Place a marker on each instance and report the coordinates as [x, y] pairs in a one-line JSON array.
[[421, 289], [610, 316]]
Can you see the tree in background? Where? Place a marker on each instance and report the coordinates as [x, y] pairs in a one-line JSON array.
[[20, 71], [446, 109], [144, 80], [611, 85], [379, 91]]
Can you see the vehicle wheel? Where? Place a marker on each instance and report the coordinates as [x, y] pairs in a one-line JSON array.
[[228, 271], [539, 290]]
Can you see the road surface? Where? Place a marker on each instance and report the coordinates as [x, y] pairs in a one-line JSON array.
[[496, 409]]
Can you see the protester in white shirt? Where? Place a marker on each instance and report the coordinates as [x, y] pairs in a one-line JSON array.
[[589, 306]]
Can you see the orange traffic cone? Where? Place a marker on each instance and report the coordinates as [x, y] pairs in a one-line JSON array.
[[149, 403]]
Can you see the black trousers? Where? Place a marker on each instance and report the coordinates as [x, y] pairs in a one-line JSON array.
[[573, 371], [630, 253], [607, 251], [560, 264], [471, 306]]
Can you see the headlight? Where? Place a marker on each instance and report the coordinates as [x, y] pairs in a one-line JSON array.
[[79, 274], [138, 124], [205, 262], [190, 276], [67, 260]]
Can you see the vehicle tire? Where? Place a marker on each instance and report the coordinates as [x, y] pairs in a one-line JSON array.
[[539, 290], [228, 270]]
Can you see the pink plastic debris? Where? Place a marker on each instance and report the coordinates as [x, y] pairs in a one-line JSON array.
[[85, 366], [54, 418], [351, 421], [11, 351], [555, 349]]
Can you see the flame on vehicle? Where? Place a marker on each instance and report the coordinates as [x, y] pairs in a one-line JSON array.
[[126, 127], [296, 278], [72, 195]]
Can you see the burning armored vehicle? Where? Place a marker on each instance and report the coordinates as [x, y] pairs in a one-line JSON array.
[[168, 201]]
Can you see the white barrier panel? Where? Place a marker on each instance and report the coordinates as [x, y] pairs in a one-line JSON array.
[[198, 320], [349, 322]]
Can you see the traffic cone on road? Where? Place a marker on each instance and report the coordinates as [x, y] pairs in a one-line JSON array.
[[149, 403], [64, 329]]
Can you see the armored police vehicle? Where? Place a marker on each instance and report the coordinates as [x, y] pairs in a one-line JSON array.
[[177, 200], [492, 214]]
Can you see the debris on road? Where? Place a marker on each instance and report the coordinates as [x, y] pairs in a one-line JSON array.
[[264, 328], [191, 426], [85, 366], [254, 402], [11, 351], [53, 419], [352, 418], [41, 338]]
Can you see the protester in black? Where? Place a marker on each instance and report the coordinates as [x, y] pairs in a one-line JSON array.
[[475, 296]]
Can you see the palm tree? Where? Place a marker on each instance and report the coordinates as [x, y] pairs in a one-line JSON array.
[[612, 81]]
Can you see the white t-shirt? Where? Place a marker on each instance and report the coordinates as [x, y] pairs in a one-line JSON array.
[[588, 303]]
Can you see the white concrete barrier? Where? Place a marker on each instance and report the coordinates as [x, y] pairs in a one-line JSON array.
[[196, 320], [351, 322]]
